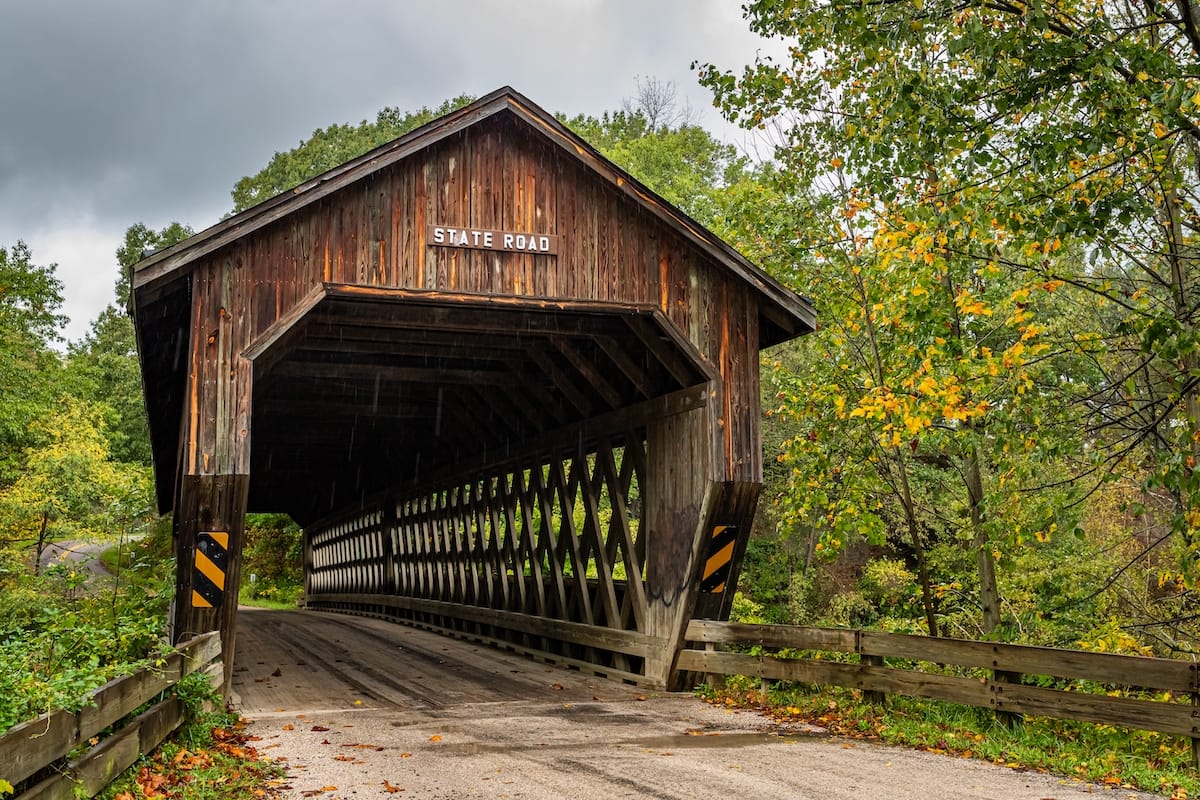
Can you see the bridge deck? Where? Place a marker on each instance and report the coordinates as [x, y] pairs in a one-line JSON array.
[[291, 662], [444, 718]]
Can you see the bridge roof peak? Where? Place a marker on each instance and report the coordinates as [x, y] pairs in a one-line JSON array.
[[785, 313]]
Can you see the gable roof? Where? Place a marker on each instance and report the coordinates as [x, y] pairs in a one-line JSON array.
[[789, 314]]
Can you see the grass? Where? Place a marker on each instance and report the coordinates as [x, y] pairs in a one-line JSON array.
[[268, 594], [1102, 754], [266, 602]]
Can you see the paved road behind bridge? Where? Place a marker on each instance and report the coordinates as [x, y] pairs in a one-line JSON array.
[[363, 708]]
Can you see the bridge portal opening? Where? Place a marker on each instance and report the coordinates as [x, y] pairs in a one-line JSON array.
[[509, 392]]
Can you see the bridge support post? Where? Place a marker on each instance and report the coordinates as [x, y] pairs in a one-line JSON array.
[[209, 528], [678, 504]]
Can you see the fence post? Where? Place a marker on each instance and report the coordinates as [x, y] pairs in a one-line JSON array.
[[1195, 671], [713, 679], [1009, 719], [867, 660]]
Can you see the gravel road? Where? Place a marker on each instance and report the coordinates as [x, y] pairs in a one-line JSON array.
[[363, 708]]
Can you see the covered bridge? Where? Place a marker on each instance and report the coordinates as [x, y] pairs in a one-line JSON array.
[[509, 392]]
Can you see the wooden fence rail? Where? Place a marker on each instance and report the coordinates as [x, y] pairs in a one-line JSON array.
[[49, 741], [1177, 682]]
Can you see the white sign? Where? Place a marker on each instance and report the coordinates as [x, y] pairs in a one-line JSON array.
[[480, 239]]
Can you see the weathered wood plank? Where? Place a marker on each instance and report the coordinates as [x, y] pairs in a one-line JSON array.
[[856, 676], [28, 747], [1157, 673], [1146, 715], [32, 745], [778, 636], [629, 642], [100, 765]]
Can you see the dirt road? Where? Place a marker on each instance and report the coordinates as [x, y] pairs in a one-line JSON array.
[[82, 553], [363, 708]]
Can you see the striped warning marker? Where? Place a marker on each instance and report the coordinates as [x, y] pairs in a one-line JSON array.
[[208, 575], [720, 559]]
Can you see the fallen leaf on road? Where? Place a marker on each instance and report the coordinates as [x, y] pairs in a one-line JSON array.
[[322, 790], [435, 738], [289, 727], [387, 787], [641, 697], [558, 687], [343, 758], [319, 728], [406, 755]]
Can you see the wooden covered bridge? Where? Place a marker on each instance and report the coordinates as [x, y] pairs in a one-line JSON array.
[[509, 392]]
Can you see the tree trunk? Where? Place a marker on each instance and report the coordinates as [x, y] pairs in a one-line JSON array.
[[41, 545], [989, 592], [914, 537]]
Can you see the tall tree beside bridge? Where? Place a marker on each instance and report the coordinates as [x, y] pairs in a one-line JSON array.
[[1039, 147]]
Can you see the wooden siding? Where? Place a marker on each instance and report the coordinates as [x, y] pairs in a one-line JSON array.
[[497, 175]]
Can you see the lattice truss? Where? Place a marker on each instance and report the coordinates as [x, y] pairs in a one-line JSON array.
[[546, 557]]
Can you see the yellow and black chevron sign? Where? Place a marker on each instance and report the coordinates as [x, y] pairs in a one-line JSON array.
[[720, 559], [208, 575]]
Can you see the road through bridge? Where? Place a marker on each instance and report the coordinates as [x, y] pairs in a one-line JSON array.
[[362, 707], [510, 393]]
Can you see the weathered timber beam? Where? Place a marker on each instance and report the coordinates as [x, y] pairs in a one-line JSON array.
[[637, 376], [294, 369], [587, 368], [684, 370], [564, 382]]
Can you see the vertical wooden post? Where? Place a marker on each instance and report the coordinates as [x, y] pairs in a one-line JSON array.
[[214, 504], [391, 584], [1009, 719], [1195, 671], [215, 460], [679, 492], [868, 660]]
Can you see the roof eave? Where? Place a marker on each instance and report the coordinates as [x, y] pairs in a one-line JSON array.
[[166, 265]]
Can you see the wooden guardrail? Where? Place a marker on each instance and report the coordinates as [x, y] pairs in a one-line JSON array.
[[998, 687], [52, 739]]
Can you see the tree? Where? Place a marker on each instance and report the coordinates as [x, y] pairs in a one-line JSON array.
[[330, 147], [658, 102], [66, 483], [1067, 131], [30, 299], [656, 142], [103, 366]]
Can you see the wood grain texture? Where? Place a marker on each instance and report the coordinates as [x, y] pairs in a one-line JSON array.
[[32, 746], [1137, 674], [444, 413]]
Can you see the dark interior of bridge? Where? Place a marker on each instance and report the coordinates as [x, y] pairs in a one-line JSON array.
[[387, 388]]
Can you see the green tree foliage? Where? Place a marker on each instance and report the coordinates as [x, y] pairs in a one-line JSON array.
[[30, 299], [103, 366], [330, 147], [68, 487], [684, 163], [273, 554], [982, 174]]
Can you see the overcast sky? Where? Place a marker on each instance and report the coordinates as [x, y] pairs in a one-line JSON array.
[[129, 111]]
